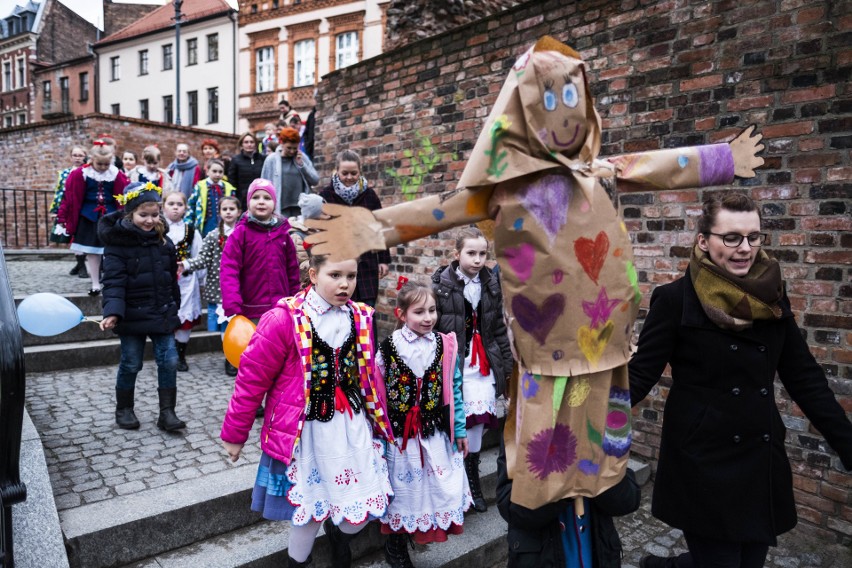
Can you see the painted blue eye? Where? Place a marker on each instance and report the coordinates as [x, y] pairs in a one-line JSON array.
[[549, 100], [569, 95]]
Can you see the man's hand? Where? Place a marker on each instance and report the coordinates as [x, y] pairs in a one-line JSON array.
[[383, 270]]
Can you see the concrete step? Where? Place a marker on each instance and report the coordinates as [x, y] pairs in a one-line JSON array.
[[264, 544], [96, 353]]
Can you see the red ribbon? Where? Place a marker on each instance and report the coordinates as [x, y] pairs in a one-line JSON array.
[[413, 423], [341, 403], [477, 351], [400, 282]]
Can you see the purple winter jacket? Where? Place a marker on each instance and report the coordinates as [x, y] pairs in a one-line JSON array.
[[259, 267]]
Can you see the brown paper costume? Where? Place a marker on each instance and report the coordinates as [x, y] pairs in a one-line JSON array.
[[569, 282]]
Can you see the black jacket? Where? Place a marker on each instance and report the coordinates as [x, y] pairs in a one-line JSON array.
[[449, 289], [242, 171], [535, 539], [140, 278], [723, 471]]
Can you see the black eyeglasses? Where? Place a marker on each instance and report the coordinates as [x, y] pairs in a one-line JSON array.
[[733, 240]]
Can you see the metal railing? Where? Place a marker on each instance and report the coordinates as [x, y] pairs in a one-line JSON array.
[[12, 386], [26, 222]]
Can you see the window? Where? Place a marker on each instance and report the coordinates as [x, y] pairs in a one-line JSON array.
[[65, 94], [114, 68], [84, 86], [191, 51], [168, 112], [8, 121], [192, 97], [347, 49], [304, 58], [47, 94], [274, 4], [116, 109], [7, 75], [213, 47], [22, 119], [265, 70], [213, 105], [167, 57], [143, 62], [22, 74], [143, 109]]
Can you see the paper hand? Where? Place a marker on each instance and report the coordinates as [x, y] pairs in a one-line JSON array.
[[349, 233], [744, 149]]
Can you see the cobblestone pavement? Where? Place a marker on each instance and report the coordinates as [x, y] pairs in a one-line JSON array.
[[90, 460]]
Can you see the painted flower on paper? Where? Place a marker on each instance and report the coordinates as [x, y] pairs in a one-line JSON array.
[[588, 467], [553, 450], [617, 435], [529, 385]]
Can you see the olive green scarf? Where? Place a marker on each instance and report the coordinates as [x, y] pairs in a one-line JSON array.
[[734, 302]]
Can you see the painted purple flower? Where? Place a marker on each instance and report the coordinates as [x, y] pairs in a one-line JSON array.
[[552, 451], [618, 435], [529, 385], [588, 467]]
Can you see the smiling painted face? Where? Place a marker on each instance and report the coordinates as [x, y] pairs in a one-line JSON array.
[[559, 120]]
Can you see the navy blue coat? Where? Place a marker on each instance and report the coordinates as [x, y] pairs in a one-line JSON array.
[[723, 471], [140, 278]]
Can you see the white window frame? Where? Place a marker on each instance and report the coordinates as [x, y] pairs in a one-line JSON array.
[[115, 68], [213, 47], [192, 51], [304, 68], [7, 76], [264, 70], [346, 49], [21, 75], [143, 61]]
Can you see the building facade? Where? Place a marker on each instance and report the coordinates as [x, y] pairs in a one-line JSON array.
[[286, 46], [18, 35], [137, 66]]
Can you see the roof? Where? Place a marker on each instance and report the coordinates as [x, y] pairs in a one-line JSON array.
[[163, 18]]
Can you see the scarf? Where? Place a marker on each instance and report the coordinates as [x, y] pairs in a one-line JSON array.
[[271, 222], [732, 302], [181, 178], [348, 194]]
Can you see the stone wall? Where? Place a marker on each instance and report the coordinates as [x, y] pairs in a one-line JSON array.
[[664, 74], [34, 154]]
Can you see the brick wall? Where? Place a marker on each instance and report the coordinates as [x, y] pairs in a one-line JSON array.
[[35, 153], [664, 74]]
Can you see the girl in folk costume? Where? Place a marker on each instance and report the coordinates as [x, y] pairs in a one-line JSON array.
[[209, 259], [312, 357], [128, 161], [78, 158], [568, 277], [470, 305], [187, 241], [150, 169], [419, 383], [89, 195], [203, 208]]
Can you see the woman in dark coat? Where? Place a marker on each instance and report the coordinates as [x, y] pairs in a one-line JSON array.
[[245, 167], [726, 329]]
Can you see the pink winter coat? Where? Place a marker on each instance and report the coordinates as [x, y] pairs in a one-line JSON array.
[[271, 366], [259, 267]]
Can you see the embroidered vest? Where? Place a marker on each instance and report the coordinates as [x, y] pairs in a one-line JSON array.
[[184, 246], [405, 391], [97, 199], [329, 368]]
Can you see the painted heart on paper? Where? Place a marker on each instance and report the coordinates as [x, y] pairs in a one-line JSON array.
[[521, 259], [592, 342], [536, 321], [592, 254], [547, 200]]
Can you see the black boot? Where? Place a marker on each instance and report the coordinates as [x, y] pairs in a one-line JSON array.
[[81, 265], [124, 415], [396, 551], [341, 554], [471, 466], [168, 420], [293, 564], [181, 349], [230, 370]]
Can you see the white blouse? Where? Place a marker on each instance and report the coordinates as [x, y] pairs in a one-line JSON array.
[[332, 323], [418, 351]]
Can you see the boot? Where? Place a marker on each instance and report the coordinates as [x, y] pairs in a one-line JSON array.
[[471, 466], [341, 554], [230, 370], [181, 349], [168, 420], [293, 564], [81, 265], [124, 415], [396, 551]]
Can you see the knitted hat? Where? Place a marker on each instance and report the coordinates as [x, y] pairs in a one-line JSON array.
[[265, 185], [311, 205], [137, 193]]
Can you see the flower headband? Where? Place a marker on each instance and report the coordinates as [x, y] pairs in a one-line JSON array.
[[131, 195]]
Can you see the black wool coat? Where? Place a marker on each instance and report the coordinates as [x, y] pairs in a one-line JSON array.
[[242, 171], [449, 290], [140, 278], [535, 535], [723, 471]]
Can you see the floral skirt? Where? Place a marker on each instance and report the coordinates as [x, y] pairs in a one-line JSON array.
[[337, 471], [480, 399], [431, 492]]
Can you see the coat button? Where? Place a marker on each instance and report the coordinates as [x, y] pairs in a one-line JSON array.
[[736, 438], [733, 347], [764, 392], [762, 348], [766, 437], [735, 391], [515, 545]]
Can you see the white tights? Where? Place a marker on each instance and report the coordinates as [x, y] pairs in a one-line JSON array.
[[182, 335], [474, 438], [302, 537], [93, 265]]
